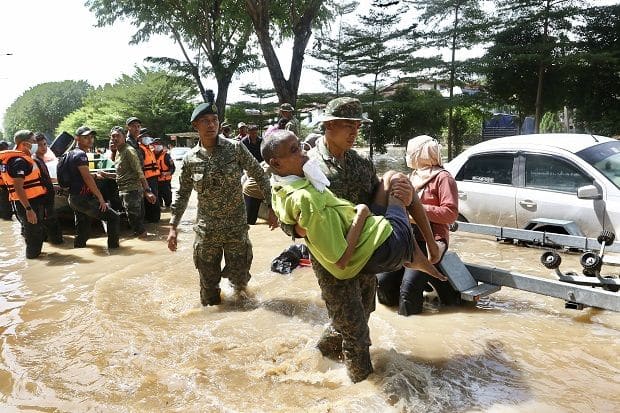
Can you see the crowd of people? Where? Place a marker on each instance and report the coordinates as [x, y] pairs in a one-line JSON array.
[[366, 234]]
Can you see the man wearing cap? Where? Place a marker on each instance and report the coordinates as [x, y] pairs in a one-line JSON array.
[[352, 177], [226, 130], [84, 197], [6, 212], [213, 168], [152, 211], [133, 132], [252, 195], [132, 185], [292, 124], [242, 131], [166, 170], [22, 177]]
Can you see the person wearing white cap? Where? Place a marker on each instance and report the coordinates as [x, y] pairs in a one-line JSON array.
[[242, 131]]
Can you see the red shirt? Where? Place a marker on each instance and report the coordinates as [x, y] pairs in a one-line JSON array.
[[440, 200]]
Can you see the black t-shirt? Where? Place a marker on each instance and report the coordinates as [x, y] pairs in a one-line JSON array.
[[254, 148], [77, 157], [19, 167]]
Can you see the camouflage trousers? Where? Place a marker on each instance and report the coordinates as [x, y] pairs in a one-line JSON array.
[[236, 248], [349, 304], [133, 204]]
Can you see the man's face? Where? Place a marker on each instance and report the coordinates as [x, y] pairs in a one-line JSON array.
[[86, 142], [134, 129], [243, 130], [117, 138], [207, 126], [342, 133], [290, 157], [26, 146], [253, 133], [286, 114], [41, 148]]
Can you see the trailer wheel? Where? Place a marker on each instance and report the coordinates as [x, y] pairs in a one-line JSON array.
[[591, 261], [606, 237], [551, 260]]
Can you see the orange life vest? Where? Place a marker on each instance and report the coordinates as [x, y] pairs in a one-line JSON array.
[[32, 182], [150, 163], [163, 166]]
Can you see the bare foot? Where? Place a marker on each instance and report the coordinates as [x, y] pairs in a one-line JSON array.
[[421, 263]]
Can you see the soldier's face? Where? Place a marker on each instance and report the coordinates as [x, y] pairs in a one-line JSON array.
[[290, 158], [207, 126], [342, 133], [134, 128]]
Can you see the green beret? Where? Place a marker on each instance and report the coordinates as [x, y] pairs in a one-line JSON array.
[[207, 108]]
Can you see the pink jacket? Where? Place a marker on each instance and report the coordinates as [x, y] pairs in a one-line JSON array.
[[441, 204]]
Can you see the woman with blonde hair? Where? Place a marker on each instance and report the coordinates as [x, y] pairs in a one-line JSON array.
[[438, 193]]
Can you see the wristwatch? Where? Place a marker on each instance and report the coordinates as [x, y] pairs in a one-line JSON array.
[[28, 208]]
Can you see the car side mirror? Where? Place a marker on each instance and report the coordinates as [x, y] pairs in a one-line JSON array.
[[589, 192]]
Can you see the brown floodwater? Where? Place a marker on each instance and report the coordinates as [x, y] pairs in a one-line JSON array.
[[85, 330]]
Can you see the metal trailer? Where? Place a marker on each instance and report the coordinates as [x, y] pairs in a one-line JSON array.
[[589, 290]]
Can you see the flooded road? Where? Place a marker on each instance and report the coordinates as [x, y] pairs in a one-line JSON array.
[[91, 331]]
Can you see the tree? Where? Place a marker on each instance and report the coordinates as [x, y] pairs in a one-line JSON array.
[[42, 107], [218, 29], [379, 47], [552, 20], [160, 100], [456, 24], [598, 72], [291, 18], [511, 68], [332, 51]]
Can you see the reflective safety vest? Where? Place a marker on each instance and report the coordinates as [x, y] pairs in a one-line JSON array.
[[32, 182], [163, 166], [150, 163]]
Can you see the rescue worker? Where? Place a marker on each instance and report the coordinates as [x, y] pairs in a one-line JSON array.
[[292, 124], [166, 170], [22, 178], [51, 224], [133, 132], [152, 212], [6, 212], [213, 168]]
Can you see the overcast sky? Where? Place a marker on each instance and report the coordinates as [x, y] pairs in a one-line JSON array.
[[55, 40]]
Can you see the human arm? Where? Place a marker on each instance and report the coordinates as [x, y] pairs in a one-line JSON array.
[[416, 209], [23, 199], [445, 192], [256, 171], [353, 235], [90, 183], [170, 162], [180, 203]]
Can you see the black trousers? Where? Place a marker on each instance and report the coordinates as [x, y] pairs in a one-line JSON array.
[[252, 206], [152, 212], [6, 210], [34, 234], [164, 189], [86, 207]]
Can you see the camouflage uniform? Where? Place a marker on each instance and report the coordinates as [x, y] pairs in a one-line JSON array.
[[349, 302], [221, 224]]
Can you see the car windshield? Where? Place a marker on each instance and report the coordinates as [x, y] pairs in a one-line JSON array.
[[606, 159]]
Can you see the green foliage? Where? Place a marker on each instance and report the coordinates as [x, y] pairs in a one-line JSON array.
[[160, 100], [42, 107], [408, 114], [467, 126], [551, 123], [596, 86]]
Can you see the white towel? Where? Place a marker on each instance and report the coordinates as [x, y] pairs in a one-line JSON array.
[[312, 172]]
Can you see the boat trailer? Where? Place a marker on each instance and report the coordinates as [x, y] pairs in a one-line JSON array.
[[592, 289]]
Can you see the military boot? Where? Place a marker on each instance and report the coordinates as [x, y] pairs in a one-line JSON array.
[[358, 363], [330, 344], [210, 296]]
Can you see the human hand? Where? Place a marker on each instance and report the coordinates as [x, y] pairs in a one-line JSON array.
[[272, 219], [31, 216], [172, 239], [402, 189], [102, 205], [150, 197]]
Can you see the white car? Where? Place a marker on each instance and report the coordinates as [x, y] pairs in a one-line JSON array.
[[178, 153], [563, 183]]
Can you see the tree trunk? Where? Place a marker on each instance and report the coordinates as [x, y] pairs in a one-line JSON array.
[[541, 71], [452, 76], [222, 94], [259, 13]]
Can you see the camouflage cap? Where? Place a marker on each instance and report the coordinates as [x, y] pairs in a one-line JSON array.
[[344, 108], [286, 107]]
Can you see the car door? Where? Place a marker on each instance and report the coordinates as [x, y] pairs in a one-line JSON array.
[[486, 191], [549, 191]]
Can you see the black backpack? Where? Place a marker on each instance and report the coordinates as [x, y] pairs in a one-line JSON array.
[[63, 170]]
